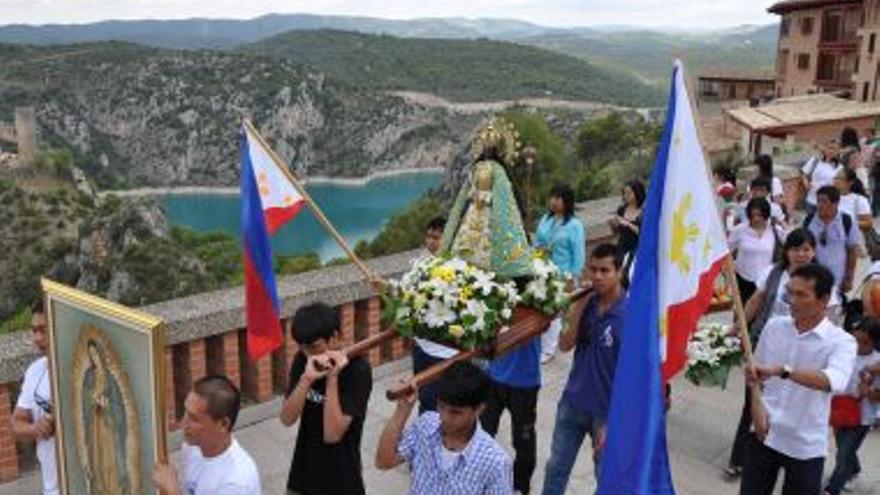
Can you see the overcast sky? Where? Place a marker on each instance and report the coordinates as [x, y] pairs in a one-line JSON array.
[[690, 14]]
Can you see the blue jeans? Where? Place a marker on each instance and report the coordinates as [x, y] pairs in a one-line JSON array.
[[846, 464], [571, 426]]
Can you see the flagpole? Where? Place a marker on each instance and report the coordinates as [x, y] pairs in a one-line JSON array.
[[368, 274], [729, 270]]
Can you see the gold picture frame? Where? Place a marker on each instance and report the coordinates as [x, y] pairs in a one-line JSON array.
[[108, 382]]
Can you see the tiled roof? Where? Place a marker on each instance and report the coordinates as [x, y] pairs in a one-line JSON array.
[[786, 6], [737, 74], [802, 110]]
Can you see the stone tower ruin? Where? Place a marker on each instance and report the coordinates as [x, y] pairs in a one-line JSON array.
[[26, 134]]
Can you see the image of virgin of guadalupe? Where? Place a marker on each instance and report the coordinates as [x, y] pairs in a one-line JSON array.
[[485, 226], [104, 422]]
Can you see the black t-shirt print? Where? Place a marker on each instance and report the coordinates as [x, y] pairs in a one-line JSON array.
[[318, 468]]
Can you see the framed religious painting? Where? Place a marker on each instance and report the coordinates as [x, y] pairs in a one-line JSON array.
[[107, 382]]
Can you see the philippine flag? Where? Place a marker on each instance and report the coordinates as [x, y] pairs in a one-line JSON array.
[[268, 201], [682, 248]]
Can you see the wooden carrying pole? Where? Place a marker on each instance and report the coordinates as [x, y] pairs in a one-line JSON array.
[[369, 275], [526, 324]]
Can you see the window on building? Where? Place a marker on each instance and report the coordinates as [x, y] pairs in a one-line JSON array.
[[825, 67], [803, 61], [807, 26], [865, 89], [832, 27], [872, 41], [783, 27], [782, 62]]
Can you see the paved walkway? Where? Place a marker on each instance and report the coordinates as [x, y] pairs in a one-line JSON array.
[[701, 425]]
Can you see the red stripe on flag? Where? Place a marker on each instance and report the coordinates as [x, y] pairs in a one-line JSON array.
[[277, 217], [685, 316], [263, 326]]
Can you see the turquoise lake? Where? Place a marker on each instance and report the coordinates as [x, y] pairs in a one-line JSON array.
[[358, 211]]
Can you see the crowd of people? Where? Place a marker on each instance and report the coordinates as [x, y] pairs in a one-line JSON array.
[[816, 363], [821, 337]]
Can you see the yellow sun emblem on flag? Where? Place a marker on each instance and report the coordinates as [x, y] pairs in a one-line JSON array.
[[682, 233]]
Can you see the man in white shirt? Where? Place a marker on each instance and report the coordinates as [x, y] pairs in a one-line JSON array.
[[32, 417], [213, 461], [801, 361]]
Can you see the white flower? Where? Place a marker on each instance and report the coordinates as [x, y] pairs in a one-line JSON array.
[[483, 282], [457, 264], [476, 308], [506, 313], [438, 314], [537, 288]]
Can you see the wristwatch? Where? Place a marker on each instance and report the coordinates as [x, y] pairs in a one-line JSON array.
[[786, 372]]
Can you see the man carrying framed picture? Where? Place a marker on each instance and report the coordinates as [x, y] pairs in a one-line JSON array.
[[32, 418]]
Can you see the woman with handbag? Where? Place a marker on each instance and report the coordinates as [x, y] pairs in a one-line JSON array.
[[754, 245], [853, 413]]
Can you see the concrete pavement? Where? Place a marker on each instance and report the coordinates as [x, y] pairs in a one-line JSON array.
[[701, 425]]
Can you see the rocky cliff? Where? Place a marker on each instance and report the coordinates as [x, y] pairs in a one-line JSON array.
[[136, 116]]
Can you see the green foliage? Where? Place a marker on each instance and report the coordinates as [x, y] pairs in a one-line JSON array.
[[646, 54], [19, 321], [55, 161], [548, 167], [404, 231], [291, 265], [613, 150], [463, 70], [593, 183]]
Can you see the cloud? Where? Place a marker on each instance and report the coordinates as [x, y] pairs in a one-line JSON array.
[[692, 14]]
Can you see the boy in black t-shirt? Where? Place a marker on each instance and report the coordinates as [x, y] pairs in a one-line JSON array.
[[328, 395]]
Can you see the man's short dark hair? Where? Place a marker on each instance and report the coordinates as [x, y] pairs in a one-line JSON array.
[[607, 250], [760, 183], [313, 322], [436, 223], [822, 278], [222, 397], [829, 192], [463, 385], [38, 307], [870, 326]]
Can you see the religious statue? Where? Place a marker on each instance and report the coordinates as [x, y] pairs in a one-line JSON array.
[[485, 226]]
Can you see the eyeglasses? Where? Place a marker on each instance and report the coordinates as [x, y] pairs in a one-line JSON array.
[[43, 403]]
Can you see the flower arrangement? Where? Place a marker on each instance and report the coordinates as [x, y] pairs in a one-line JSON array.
[[712, 352], [548, 290], [446, 299]]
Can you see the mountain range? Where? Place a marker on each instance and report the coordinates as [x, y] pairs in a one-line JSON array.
[[644, 53]]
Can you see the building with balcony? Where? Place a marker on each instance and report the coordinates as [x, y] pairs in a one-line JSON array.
[[819, 46]]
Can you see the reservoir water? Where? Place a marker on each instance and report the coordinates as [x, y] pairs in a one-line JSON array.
[[358, 211]]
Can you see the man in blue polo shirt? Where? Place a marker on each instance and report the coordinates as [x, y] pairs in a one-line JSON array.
[[583, 408], [515, 381]]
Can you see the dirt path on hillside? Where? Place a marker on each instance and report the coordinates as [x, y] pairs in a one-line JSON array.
[[430, 100]]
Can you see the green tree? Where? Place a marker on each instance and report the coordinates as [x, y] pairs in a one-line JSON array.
[[548, 167], [404, 231]]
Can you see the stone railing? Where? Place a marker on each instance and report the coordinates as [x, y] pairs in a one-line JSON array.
[[205, 333]]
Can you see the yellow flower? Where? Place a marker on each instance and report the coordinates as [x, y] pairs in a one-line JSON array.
[[443, 273], [456, 331], [466, 293]]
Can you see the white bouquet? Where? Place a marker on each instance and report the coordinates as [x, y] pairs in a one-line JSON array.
[[712, 352], [446, 299], [547, 292]]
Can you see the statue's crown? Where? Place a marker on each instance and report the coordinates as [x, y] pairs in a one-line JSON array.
[[501, 136]]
